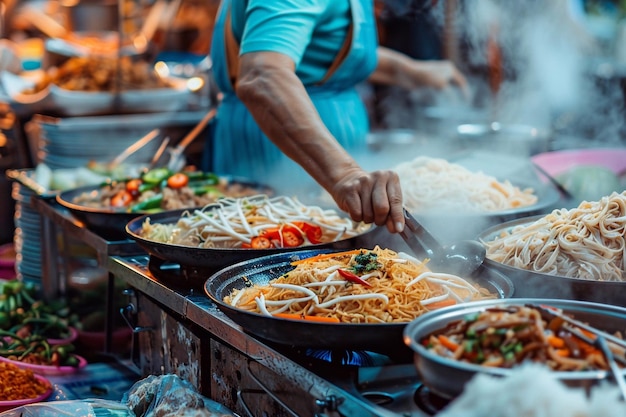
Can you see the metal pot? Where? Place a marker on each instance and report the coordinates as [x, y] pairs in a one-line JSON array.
[[515, 139], [447, 377], [535, 284]]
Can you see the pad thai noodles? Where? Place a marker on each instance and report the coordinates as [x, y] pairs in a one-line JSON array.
[[357, 286]]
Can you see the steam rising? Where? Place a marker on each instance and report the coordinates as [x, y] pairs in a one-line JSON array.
[[551, 67], [551, 80]]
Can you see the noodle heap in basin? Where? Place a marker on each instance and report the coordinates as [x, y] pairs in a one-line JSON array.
[[436, 184], [586, 242], [237, 222], [357, 286]]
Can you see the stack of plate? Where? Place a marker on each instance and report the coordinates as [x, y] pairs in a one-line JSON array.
[[74, 142], [27, 238]]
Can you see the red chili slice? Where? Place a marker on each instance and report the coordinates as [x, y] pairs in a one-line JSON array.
[[353, 278], [260, 242]]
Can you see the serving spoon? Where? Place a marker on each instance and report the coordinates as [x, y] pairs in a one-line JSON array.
[[461, 258]]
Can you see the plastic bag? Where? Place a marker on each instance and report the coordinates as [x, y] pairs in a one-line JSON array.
[[170, 396], [70, 408]]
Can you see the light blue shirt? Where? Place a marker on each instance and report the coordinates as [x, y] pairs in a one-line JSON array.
[[310, 32]]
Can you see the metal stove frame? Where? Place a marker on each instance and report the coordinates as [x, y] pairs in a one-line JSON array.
[[248, 374]]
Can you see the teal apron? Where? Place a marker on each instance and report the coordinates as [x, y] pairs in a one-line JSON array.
[[239, 147]]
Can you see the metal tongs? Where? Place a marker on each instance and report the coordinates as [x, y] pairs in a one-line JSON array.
[[600, 340], [176, 160], [462, 258]]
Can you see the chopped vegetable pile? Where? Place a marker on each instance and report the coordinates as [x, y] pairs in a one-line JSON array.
[[508, 336]]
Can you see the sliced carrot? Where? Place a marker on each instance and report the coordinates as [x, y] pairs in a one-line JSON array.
[[323, 256], [440, 304], [447, 342], [310, 318], [563, 352], [555, 342], [132, 186]]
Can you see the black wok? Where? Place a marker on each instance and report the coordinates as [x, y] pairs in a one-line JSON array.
[[107, 223], [110, 223], [381, 338], [202, 262]]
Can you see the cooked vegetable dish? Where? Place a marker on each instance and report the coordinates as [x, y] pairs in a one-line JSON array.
[[509, 336], [255, 222], [161, 189]]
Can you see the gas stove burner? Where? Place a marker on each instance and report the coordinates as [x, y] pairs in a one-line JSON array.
[[428, 401], [348, 357], [177, 275]]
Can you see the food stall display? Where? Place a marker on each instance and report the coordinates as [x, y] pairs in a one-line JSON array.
[[262, 303]]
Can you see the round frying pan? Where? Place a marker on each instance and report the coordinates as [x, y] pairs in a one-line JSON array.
[[214, 259], [381, 338], [109, 222]]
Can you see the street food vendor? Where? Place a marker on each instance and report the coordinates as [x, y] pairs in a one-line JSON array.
[[288, 71]]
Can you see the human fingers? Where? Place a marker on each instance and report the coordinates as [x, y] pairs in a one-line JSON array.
[[395, 219], [359, 192], [368, 197]]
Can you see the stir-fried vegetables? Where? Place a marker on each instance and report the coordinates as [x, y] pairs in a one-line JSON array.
[[162, 189], [255, 222], [508, 336]]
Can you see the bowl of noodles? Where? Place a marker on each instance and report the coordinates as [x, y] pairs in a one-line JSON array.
[[495, 337], [456, 202], [357, 299], [573, 253]]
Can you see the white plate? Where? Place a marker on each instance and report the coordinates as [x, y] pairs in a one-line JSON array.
[[82, 103]]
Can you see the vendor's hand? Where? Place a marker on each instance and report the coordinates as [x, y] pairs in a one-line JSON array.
[[373, 197], [436, 74]]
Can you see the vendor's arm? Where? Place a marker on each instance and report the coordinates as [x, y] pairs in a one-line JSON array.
[[268, 86], [396, 68]]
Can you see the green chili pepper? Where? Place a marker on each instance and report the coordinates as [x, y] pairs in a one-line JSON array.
[[151, 203], [71, 360], [147, 186], [155, 176], [206, 189]]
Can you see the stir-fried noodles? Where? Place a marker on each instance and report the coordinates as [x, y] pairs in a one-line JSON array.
[[508, 336], [357, 286], [436, 184], [257, 222], [587, 242]]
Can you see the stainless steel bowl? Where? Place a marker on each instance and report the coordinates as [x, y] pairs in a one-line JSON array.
[[536, 284], [447, 377]]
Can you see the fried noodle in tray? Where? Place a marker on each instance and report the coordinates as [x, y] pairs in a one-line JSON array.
[[357, 286], [257, 222]]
